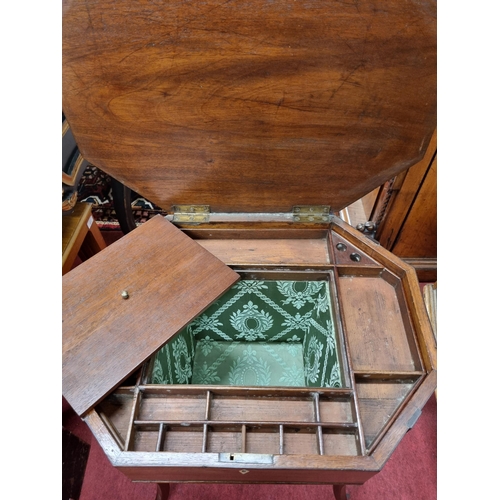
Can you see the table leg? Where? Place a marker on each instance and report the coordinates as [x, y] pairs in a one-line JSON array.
[[340, 492], [162, 491]]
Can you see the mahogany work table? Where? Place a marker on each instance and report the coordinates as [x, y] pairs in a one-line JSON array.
[[251, 335]]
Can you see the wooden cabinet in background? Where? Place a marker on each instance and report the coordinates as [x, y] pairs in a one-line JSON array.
[[402, 214], [408, 228]]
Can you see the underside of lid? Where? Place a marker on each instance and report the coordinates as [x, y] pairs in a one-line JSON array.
[[252, 106]]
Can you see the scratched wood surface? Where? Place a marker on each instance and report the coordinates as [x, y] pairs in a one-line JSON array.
[[104, 337], [376, 332], [255, 105]]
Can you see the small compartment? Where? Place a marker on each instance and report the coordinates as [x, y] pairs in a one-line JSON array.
[[340, 443], [376, 323], [379, 401], [300, 441], [261, 332]]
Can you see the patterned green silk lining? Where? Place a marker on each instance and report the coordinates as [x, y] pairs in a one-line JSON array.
[[249, 364], [248, 335]]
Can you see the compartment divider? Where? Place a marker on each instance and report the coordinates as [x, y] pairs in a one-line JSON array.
[[243, 438], [133, 416], [112, 430], [246, 423], [282, 440], [238, 391], [341, 322], [361, 375], [161, 434], [389, 423], [319, 430], [205, 426]]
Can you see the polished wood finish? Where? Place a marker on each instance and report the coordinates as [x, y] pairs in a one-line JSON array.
[[80, 236], [340, 492], [418, 236], [177, 433], [163, 491], [250, 106], [372, 315], [170, 279], [430, 300], [253, 107], [277, 251], [406, 214], [425, 267]]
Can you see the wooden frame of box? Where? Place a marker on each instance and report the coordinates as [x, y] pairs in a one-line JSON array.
[[253, 124], [303, 435]]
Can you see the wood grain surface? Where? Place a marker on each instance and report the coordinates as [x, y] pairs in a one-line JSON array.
[[378, 339], [170, 279], [255, 105]]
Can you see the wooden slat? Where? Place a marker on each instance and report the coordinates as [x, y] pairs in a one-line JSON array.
[[319, 430], [170, 279], [205, 425], [161, 435], [129, 439], [269, 251], [253, 423], [154, 390]]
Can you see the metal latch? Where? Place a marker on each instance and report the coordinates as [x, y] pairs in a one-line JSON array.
[[246, 458], [311, 213], [194, 214]]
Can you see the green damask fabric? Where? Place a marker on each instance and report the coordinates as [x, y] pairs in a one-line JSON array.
[[250, 333], [249, 363]]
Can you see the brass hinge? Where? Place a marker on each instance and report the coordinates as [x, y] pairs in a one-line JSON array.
[[194, 214], [311, 213]]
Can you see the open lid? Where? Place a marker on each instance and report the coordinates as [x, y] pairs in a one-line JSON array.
[[169, 279], [252, 106]]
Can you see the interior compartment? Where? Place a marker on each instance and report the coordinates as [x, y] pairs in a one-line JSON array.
[[261, 332], [376, 322], [378, 402], [293, 362], [288, 421]]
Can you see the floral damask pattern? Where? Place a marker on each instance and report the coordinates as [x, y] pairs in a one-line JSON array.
[[250, 322], [312, 359], [299, 293], [250, 369], [182, 360], [258, 333]]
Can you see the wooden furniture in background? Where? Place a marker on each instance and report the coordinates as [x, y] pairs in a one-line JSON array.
[[80, 236], [430, 300], [402, 214], [406, 215]]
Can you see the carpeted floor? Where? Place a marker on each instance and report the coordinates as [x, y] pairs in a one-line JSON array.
[[410, 473]]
